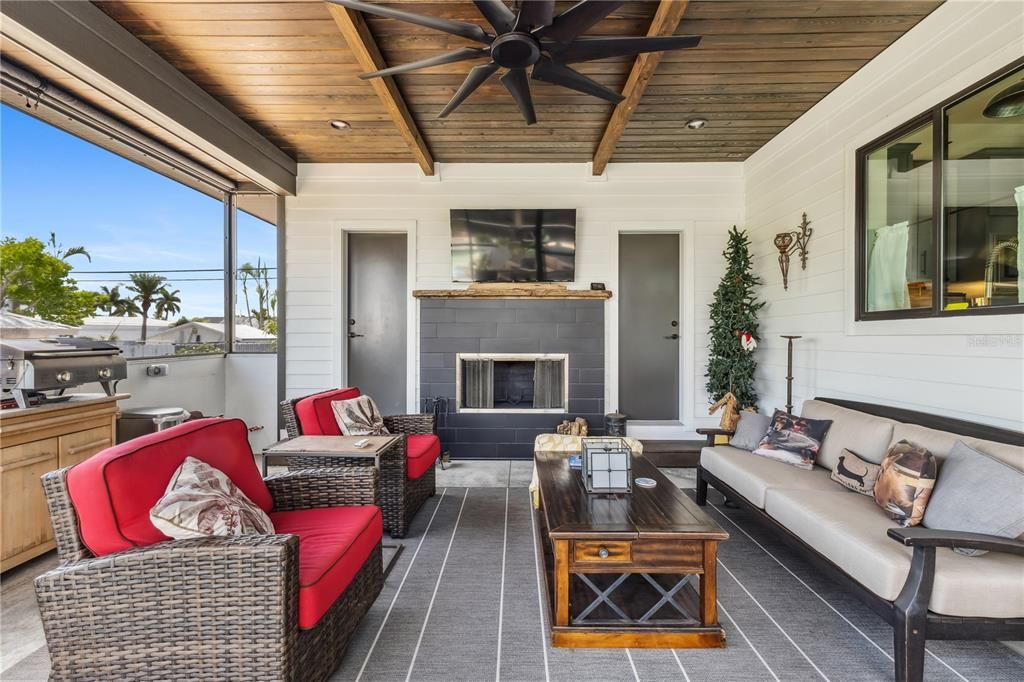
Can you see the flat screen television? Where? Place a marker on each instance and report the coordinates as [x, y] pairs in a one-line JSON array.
[[514, 245]]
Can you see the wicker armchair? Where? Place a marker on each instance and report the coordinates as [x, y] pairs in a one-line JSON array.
[[401, 496], [210, 609]]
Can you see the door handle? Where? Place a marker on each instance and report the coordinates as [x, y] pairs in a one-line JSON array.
[[672, 336], [353, 335]]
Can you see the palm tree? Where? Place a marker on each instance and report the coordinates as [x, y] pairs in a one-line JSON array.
[[62, 253], [146, 286], [168, 304], [117, 305], [245, 273]]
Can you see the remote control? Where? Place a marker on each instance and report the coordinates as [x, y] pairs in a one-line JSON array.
[[361, 443]]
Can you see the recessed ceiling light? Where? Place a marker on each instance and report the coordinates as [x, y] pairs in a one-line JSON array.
[[696, 123], [338, 124]]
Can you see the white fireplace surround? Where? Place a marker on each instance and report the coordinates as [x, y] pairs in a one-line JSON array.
[[511, 357]]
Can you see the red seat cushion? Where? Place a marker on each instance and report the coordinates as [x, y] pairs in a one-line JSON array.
[[334, 543], [113, 491], [421, 451], [314, 413]]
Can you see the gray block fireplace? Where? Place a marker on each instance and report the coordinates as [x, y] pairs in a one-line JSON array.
[[509, 369]]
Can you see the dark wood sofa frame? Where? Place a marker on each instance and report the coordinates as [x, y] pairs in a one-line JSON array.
[[913, 624]]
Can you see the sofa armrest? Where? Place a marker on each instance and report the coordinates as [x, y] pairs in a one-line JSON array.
[[410, 423], [711, 433], [932, 537], [129, 614], [329, 487]]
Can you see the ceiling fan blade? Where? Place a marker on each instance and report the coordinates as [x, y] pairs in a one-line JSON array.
[[534, 13], [576, 20], [477, 75], [558, 74], [457, 28], [518, 85], [497, 14], [585, 49], [460, 55]]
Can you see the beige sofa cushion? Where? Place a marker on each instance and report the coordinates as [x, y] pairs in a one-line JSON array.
[[941, 442], [751, 475], [865, 435], [850, 530]]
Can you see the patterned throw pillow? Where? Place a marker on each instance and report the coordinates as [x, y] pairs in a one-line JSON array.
[[793, 440], [854, 473], [201, 501], [905, 482], [359, 417]]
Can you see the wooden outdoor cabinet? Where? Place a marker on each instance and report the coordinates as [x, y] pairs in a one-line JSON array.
[[34, 441]]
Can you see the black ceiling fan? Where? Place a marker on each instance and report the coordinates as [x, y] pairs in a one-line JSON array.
[[529, 36]]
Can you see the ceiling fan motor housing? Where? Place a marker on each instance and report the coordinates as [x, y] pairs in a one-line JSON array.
[[515, 50]]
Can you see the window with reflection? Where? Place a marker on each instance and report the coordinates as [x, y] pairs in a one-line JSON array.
[[926, 253], [983, 186], [898, 221]]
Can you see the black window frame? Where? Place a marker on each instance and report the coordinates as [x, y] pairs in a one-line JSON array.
[[936, 116]]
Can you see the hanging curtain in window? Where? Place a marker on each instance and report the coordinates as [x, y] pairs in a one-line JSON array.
[[887, 268], [1018, 194], [548, 384], [478, 384]]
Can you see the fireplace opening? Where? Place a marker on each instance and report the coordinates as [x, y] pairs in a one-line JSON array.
[[504, 382], [513, 384]]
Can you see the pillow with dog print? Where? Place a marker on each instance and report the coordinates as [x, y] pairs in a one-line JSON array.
[[854, 473], [905, 482], [793, 440]]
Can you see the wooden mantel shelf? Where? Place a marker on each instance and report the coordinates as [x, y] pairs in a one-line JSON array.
[[506, 290]]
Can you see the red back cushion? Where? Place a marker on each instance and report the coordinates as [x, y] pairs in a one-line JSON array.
[[316, 418], [114, 490]]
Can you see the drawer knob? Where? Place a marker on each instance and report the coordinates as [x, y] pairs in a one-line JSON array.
[[603, 552]]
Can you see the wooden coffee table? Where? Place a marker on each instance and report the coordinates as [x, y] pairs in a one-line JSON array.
[[630, 569]]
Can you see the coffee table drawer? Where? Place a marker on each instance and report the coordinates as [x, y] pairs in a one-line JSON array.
[[683, 555], [598, 552]]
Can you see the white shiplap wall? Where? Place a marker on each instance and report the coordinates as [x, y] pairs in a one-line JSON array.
[[971, 367], [700, 200]]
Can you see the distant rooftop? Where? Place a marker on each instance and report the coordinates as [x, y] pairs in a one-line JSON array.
[[16, 326]]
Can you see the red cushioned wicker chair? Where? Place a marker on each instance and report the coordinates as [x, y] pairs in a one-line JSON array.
[[127, 602], [407, 472]]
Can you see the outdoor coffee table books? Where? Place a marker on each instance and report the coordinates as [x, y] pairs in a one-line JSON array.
[[630, 569]]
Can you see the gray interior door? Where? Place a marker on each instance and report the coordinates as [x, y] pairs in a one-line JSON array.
[[376, 318], [649, 326]]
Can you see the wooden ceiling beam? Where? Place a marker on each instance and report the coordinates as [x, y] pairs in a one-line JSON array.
[[666, 20], [357, 34]]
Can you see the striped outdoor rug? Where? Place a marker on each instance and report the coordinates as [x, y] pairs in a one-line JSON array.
[[463, 603]]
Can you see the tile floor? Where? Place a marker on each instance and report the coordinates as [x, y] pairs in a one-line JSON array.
[[21, 633], [474, 473]]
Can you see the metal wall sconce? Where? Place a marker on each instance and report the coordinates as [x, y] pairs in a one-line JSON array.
[[788, 242]]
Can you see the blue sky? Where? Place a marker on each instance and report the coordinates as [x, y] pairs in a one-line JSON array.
[[126, 216]]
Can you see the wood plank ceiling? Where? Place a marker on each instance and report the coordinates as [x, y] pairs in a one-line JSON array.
[[284, 67]]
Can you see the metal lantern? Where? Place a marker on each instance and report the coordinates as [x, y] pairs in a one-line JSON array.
[[607, 465]]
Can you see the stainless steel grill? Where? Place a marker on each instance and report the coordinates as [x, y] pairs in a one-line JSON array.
[[32, 366]]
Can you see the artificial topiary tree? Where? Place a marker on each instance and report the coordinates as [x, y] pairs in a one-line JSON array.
[[733, 332]]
